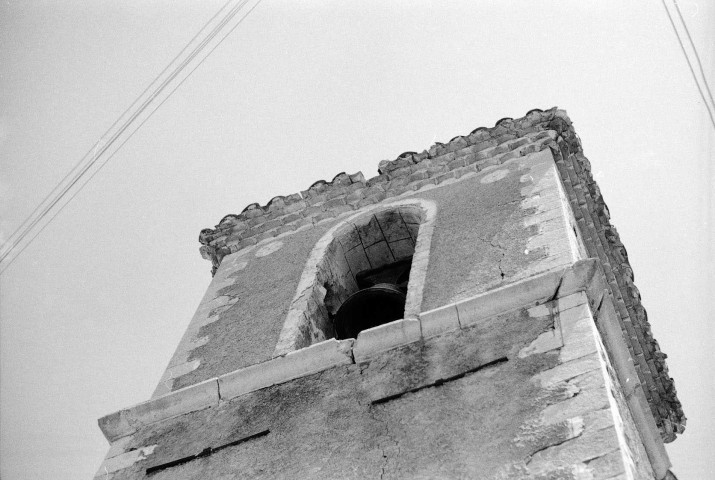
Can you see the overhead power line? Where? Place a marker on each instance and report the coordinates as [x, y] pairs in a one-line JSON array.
[[52, 203], [707, 99], [697, 56]]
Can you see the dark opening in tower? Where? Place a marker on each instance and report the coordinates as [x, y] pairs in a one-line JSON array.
[[381, 299], [366, 271]]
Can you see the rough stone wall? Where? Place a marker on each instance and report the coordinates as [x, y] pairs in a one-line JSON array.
[[501, 224], [523, 394]]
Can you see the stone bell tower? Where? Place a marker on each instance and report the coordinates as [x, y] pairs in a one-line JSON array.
[[467, 313]]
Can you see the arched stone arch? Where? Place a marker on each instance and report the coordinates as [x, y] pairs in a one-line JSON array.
[[373, 237]]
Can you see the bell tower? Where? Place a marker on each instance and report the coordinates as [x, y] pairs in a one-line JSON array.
[[469, 312]]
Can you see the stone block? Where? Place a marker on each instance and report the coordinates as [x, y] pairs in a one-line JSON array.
[[607, 466], [340, 209], [570, 301], [268, 234], [465, 171], [460, 162], [428, 182], [438, 321], [372, 199], [579, 276], [457, 144], [422, 166], [379, 254], [437, 170], [295, 364], [115, 425], [392, 225], [125, 460], [493, 302], [370, 232], [323, 216], [376, 180], [355, 196], [337, 191], [292, 217], [445, 177], [385, 337], [444, 159], [545, 342], [400, 172], [312, 211], [582, 448], [402, 248], [178, 402], [582, 395], [578, 332], [398, 182], [568, 370], [335, 202], [479, 136], [295, 207], [119, 446], [421, 175]]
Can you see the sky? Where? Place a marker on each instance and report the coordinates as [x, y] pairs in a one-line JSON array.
[[92, 310]]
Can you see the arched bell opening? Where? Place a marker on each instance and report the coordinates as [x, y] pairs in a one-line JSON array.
[[376, 257], [366, 271]]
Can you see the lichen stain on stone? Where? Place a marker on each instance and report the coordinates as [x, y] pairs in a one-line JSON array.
[[545, 342], [235, 268], [535, 436], [539, 311], [494, 176], [536, 363], [269, 248]]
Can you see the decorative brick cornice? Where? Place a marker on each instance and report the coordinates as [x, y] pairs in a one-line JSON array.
[[408, 172]]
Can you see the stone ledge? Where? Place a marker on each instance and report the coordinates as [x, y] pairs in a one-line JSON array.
[[298, 363], [582, 276], [539, 288], [438, 321], [127, 421], [386, 337]]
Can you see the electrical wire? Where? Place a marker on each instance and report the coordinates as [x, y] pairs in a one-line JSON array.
[[127, 123], [690, 65], [132, 119], [101, 140], [697, 56]]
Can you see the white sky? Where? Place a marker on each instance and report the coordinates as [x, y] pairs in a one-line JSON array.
[[93, 309]]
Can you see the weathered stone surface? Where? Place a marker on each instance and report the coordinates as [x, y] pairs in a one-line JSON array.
[[374, 340], [406, 412], [511, 221], [438, 321], [315, 358]]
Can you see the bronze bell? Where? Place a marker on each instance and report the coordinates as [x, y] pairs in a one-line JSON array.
[[370, 307]]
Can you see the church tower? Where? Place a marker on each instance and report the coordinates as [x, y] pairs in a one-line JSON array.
[[469, 312]]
